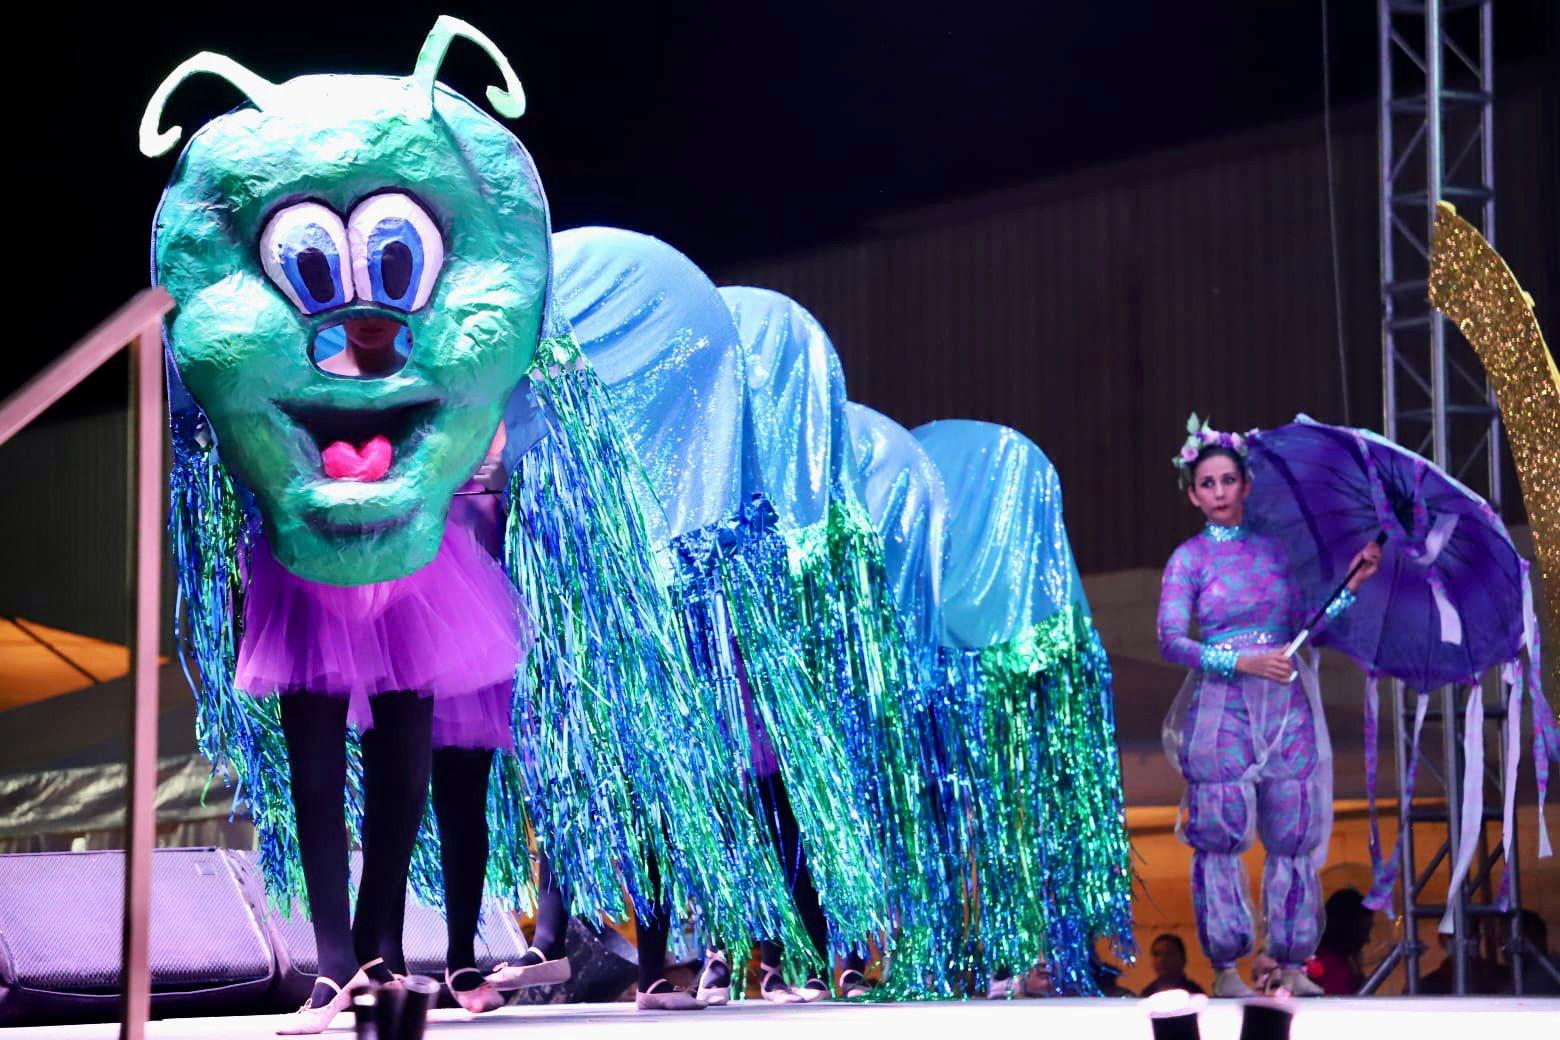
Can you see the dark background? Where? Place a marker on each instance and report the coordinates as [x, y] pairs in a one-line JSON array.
[[734, 131]]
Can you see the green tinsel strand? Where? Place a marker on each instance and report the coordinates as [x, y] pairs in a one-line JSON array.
[[864, 650], [955, 713], [1067, 815], [267, 790], [801, 721], [707, 625], [628, 776], [510, 877], [1011, 886], [565, 710], [239, 735], [940, 948], [1095, 872]]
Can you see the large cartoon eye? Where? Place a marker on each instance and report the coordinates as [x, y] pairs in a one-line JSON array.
[[396, 251], [304, 250]]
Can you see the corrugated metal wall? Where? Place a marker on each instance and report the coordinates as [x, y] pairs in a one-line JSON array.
[[64, 541], [1095, 310], [63, 529]]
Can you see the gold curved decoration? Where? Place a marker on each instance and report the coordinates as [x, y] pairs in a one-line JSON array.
[[1471, 285]]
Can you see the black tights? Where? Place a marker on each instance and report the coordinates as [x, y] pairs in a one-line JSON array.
[[786, 832], [460, 790], [552, 912], [396, 764], [652, 933]]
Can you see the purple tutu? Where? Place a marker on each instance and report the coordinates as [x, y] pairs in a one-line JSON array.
[[456, 631]]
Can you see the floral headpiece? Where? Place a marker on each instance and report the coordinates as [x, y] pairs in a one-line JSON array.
[[1200, 435]]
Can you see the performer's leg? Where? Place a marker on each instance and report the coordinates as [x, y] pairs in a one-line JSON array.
[[1291, 818], [397, 754], [776, 805], [544, 963], [315, 729], [853, 977], [805, 897], [460, 794], [714, 985], [379, 788], [552, 912], [1217, 822], [1216, 758], [811, 913], [653, 930]]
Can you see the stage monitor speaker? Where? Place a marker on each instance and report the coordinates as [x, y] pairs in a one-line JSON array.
[[61, 917]]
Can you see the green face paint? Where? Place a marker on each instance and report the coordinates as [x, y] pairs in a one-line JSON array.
[[360, 265]]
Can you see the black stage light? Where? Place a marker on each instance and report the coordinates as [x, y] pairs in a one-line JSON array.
[[363, 1009], [388, 1001], [418, 994], [1265, 1020], [1173, 1014]]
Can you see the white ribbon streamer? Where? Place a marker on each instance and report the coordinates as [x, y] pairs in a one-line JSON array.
[[1451, 621], [1535, 692], [1472, 796], [1435, 542], [1439, 535], [1511, 677], [1310, 671]]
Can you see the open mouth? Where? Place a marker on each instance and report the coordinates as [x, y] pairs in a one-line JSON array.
[[361, 443]]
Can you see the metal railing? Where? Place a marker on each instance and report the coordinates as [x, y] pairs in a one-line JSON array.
[[137, 326]]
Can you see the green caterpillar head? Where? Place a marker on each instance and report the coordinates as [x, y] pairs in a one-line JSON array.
[[360, 265]]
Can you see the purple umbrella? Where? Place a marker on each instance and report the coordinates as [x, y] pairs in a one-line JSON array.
[[1447, 604]]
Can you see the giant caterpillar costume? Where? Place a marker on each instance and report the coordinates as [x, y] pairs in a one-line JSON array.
[[806, 468], [396, 203], [937, 949]]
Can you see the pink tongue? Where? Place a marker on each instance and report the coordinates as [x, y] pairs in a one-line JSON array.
[[369, 462]]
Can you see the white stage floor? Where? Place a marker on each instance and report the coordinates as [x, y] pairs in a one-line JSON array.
[[1382, 1018]]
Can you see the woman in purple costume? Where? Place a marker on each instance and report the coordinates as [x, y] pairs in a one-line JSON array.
[[1248, 738], [423, 667]]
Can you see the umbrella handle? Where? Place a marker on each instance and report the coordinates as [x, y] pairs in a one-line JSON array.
[[1294, 648], [1305, 633]]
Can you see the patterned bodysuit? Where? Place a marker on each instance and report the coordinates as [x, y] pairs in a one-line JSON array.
[[1252, 751]]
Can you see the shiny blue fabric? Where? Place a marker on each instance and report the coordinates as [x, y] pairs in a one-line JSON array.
[[1009, 562], [904, 495], [796, 406], [525, 420], [662, 340]]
